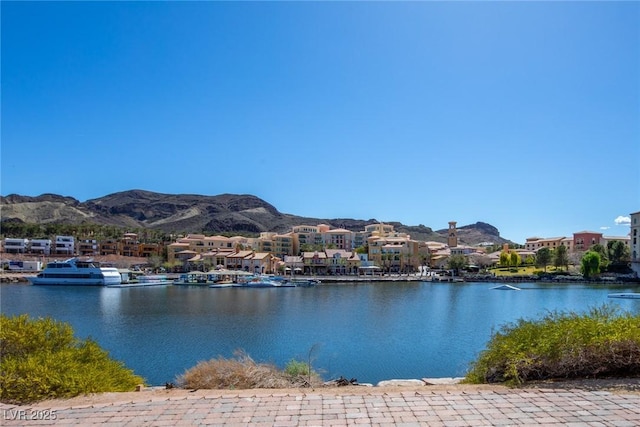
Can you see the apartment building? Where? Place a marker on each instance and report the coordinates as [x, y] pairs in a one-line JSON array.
[[583, 240], [341, 262], [193, 244], [395, 252], [65, 245], [259, 263], [235, 261], [109, 247], [339, 238], [535, 243], [16, 246], [88, 247], [147, 250], [128, 245], [306, 236], [379, 229], [315, 262], [282, 245]]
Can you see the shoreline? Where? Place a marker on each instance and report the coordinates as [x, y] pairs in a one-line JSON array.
[[22, 278], [153, 393]]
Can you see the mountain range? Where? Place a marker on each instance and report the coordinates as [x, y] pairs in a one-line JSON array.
[[209, 215]]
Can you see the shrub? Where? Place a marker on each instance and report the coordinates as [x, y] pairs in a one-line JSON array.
[[296, 368], [600, 343], [41, 359], [242, 372]]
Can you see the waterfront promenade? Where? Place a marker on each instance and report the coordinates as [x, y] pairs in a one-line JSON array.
[[341, 406]]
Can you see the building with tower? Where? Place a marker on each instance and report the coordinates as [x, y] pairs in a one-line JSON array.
[[452, 237]]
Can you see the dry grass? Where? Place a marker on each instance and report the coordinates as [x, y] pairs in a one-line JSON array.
[[242, 372]]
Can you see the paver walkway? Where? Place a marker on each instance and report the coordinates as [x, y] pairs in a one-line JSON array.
[[353, 407]]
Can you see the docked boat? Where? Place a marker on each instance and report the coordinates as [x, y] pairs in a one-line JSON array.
[[144, 280], [264, 282], [75, 271], [628, 295], [304, 283]]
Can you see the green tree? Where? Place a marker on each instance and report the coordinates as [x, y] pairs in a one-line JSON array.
[[457, 263], [590, 264], [560, 257], [514, 259], [619, 253], [543, 258], [604, 258], [505, 259]]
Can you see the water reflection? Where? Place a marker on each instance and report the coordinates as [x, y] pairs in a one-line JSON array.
[[368, 331]]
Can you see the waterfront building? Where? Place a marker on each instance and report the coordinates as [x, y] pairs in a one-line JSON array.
[[315, 263], [293, 264], [147, 250], [452, 237], [280, 245], [199, 244], [395, 252], [40, 246], [15, 246], [608, 239], [88, 247], [583, 240], [340, 261], [235, 261], [129, 245], [109, 247], [283, 245], [381, 229], [65, 245], [305, 237], [259, 263], [535, 243], [339, 238]]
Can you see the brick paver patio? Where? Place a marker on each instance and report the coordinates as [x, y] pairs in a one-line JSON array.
[[359, 407]]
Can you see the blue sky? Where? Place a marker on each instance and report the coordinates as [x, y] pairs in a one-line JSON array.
[[525, 115]]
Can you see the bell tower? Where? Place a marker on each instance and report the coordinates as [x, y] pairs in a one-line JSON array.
[[452, 237]]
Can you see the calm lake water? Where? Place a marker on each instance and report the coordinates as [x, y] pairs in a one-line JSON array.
[[371, 332]]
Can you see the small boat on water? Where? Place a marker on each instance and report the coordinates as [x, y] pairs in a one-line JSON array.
[[222, 284], [144, 280], [264, 282], [304, 283], [77, 272], [506, 288], [628, 295]]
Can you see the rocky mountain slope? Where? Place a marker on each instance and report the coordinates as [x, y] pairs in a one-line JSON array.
[[191, 213]]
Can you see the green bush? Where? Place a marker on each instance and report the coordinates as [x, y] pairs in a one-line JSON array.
[[295, 368], [600, 343], [41, 359]]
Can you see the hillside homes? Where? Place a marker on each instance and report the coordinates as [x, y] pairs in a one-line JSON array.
[[317, 249]]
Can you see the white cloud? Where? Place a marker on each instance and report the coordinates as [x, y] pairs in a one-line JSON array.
[[622, 220], [604, 228]]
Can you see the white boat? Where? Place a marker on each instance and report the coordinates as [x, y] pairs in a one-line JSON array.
[[303, 283], [77, 272], [144, 280], [630, 295], [506, 288], [263, 282]]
